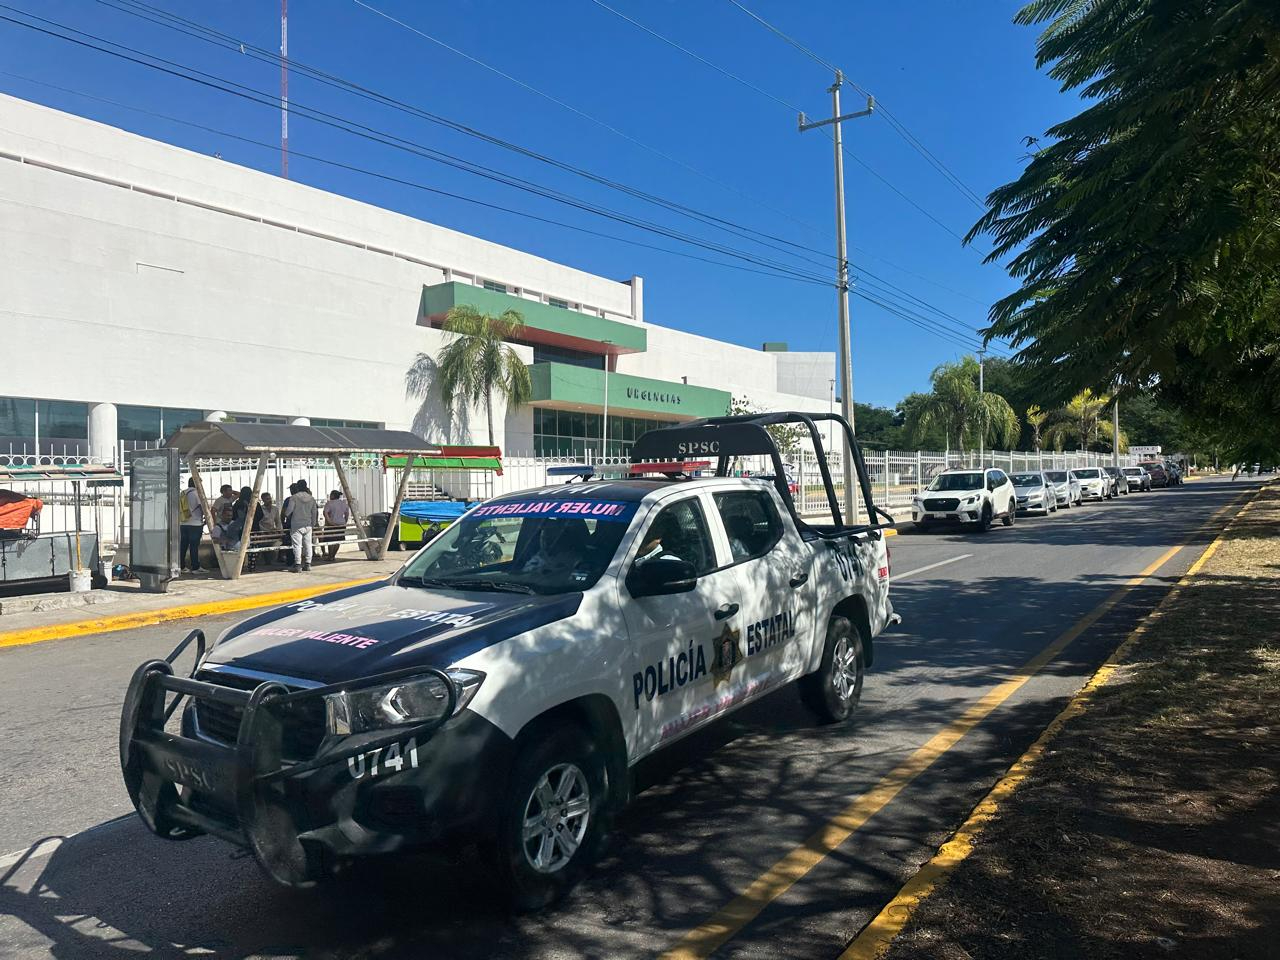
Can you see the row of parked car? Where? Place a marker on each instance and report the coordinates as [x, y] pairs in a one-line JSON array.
[[981, 497]]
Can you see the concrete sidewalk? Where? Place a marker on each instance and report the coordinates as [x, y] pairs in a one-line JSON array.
[[122, 605]]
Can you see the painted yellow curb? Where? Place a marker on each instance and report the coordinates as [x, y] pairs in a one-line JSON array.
[[143, 618], [877, 936]]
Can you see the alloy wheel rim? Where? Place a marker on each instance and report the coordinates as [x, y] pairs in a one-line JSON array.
[[555, 820], [846, 678]]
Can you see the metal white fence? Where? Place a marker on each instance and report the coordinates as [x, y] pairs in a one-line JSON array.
[[894, 474]]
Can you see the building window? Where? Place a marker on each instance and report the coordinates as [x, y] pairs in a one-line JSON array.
[[253, 418], [345, 424], [175, 418], [17, 421], [64, 420], [495, 287], [578, 358], [139, 424], [557, 302], [575, 433]]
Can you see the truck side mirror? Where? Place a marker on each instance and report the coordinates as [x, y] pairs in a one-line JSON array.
[[661, 576]]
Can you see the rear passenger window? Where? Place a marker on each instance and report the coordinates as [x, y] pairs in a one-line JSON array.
[[679, 531], [751, 522]]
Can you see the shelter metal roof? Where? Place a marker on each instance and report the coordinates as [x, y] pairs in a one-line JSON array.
[[220, 439]]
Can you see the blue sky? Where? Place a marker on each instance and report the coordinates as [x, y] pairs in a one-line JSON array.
[[961, 77]]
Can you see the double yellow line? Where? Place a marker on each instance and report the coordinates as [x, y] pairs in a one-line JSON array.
[[727, 922]]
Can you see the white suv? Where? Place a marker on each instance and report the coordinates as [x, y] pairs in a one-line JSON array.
[[966, 496]]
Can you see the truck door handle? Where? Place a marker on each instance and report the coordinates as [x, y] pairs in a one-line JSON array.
[[726, 610], [799, 579]]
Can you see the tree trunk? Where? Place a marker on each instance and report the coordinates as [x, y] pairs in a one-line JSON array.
[[488, 409]]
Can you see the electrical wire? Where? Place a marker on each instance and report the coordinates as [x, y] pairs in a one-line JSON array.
[[203, 32], [389, 178], [249, 93], [254, 95], [897, 125], [591, 118], [207, 34]]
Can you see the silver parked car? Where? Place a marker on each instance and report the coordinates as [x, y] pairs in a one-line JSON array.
[[1034, 493], [1138, 478], [1065, 487], [1119, 482]]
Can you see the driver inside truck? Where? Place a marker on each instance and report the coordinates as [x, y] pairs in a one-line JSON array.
[[561, 544]]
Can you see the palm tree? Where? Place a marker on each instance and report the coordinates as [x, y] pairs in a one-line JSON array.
[[475, 364], [960, 410], [1081, 422], [1035, 420]]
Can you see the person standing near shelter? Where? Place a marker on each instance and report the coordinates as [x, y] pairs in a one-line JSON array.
[[223, 510], [336, 514], [191, 513], [302, 515], [270, 523]]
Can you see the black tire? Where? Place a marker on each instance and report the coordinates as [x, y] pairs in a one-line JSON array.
[[1009, 517], [984, 524], [561, 758], [830, 691]]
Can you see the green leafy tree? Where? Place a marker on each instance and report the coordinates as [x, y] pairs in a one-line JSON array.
[[476, 364], [1083, 423], [962, 412], [1143, 232], [1035, 418]]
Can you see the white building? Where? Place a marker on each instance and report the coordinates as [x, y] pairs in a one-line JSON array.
[[144, 286]]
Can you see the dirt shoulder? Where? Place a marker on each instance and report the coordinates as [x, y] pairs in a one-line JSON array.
[[1151, 826]]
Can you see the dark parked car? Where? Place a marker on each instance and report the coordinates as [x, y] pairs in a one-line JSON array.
[[1156, 471]]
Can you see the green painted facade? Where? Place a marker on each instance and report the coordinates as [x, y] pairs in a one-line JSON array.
[[583, 386], [624, 337]]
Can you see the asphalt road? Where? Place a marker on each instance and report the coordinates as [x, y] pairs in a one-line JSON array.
[[81, 877]]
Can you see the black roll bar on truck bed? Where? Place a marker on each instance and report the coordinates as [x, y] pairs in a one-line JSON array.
[[745, 436]]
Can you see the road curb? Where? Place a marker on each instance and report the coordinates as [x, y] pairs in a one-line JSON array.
[[877, 936], [144, 618]]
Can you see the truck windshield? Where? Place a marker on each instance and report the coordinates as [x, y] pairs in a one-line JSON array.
[[957, 481], [524, 546]]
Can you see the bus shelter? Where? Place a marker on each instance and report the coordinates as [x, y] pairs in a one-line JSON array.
[[217, 441]]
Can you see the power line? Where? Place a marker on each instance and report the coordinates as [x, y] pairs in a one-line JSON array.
[[790, 106], [203, 32], [254, 95], [589, 117], [389, 178], [207, 34], [772, 268], [897, 125]]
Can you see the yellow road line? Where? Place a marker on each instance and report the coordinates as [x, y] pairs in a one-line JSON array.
[[704, 939], [876, 936], [143, 618]]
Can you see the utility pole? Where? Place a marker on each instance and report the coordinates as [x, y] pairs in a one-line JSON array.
[[842, 277], [982, 407], [1115, 433], [284, 89]]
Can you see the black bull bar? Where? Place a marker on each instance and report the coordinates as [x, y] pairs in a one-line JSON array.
[[184, 787]]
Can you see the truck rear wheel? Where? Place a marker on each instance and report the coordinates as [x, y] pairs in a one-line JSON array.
[[552, 817], [834, 689]]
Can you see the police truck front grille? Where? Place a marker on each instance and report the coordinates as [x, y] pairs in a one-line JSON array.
[[943, 503], [303, 722]]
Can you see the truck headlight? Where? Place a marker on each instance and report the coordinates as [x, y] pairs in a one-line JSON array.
[[412, 701], [973, 499]]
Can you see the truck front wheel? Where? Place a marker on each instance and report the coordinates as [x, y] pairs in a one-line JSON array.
[[552, 819], [834, 689]]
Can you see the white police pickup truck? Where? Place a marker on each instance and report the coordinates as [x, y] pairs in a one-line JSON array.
[[498, 689]]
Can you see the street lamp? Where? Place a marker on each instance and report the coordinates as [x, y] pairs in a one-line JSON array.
[[604, 420], [982, 408]]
